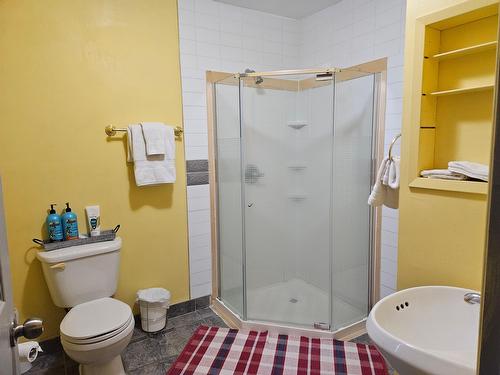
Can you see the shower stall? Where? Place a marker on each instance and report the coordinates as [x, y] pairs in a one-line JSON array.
[[292, 161]]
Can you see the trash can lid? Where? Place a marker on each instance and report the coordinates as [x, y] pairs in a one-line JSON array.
[[153, 295]]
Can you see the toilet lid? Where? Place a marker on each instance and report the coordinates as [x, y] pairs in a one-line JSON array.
[[95, 318]]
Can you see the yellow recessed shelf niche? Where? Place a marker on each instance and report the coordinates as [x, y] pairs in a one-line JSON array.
[[466, 50], [456, 114], [463, 90]]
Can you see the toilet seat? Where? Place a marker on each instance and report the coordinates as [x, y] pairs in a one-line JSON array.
[[99, 338], [100, 345], [96, 321]]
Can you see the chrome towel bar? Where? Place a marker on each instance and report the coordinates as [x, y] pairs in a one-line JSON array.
[[392, 145], [111, 130]]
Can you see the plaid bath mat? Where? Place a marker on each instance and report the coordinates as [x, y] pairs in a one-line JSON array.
[[223, 351]]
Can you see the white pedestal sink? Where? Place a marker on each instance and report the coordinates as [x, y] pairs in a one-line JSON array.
[[427, 330]]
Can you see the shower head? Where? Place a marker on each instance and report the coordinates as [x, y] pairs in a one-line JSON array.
[[258, 79]]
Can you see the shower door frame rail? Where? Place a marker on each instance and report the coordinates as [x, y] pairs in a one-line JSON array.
[[377, 67]]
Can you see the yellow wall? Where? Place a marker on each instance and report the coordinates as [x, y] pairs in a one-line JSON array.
[[68, 69], [441, 233]]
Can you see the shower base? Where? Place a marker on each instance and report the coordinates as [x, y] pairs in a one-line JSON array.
[[292, 307], [299, 303]]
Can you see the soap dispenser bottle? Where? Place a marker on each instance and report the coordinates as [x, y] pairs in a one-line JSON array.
[[54, 225], [69, 224]]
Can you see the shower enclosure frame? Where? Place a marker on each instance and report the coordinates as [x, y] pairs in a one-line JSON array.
[[378, 67]]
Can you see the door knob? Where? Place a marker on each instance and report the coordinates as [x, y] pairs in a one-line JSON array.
[[31, 329]]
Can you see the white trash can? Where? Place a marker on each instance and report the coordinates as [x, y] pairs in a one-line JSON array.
[[154, 303]]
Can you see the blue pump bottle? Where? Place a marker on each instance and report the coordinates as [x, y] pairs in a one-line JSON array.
[[69, 224], [54, 225]]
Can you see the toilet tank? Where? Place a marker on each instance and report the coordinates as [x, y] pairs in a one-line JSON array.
[[82, 273]]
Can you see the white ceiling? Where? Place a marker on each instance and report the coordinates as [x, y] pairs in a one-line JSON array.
[[287, 8]]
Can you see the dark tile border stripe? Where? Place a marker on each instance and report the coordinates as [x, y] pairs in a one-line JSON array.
[[197, 172], [197, 178], [197, 165]]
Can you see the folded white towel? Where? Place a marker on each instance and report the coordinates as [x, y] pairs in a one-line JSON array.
[[470, 169], [160, 139], [386, 188], [148, 170], [154, 135], [443, 174]]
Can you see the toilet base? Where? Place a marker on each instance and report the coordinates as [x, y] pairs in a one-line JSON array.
[[113, 367]]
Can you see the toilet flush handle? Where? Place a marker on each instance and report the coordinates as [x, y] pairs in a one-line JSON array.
[[59, 266]]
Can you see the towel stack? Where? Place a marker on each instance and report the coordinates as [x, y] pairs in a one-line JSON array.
[[459, 170], [443, 174], [386, 188], [151, 147]]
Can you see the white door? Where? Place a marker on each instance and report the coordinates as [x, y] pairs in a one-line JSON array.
[[8, 353], [10, 331]]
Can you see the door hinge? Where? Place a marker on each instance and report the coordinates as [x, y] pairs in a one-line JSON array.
[[322, 325]]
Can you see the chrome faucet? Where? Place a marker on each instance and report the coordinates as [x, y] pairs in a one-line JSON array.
[[472, 298]]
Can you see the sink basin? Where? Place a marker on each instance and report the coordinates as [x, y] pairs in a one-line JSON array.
[[427, 330]]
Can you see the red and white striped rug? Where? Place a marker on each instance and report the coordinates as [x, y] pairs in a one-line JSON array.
[[223, 351]]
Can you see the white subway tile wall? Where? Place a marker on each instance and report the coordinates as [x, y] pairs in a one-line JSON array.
[[217, 36], [200, 263], [360, 31]]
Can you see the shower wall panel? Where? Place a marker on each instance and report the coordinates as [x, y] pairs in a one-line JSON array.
[[230, 213]]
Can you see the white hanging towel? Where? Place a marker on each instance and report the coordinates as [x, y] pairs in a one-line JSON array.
[[391, 177], [377, 195], [386, 188], [151, 169], [470, 169]]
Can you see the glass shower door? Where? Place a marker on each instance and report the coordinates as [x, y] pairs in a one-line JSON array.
[[294, 170], [353, 153], [287, 130], [229, 210]]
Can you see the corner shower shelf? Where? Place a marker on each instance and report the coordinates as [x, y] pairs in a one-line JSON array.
[[297, 197], [463, 90], [473, 187], [297, 167], [296, 124], [466, 51]]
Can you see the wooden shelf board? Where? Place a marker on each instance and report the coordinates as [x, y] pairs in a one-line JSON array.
[[463, 90], [466, 51], [473, 187]]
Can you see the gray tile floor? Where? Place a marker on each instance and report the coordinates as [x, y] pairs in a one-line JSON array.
[[147, 353]]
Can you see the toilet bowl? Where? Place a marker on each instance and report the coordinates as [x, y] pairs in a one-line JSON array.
[[97, 328], [95, 333]]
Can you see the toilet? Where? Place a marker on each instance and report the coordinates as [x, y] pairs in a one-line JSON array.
[[97, 328]]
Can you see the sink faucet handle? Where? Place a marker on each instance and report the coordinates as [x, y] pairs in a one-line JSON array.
[[472, 298]]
